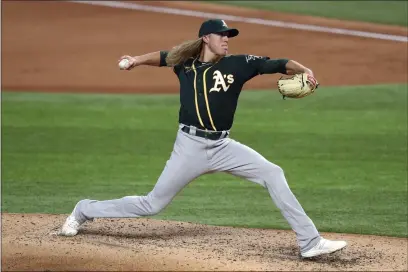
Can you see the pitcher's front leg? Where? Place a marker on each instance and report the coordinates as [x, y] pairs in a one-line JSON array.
[[242, 161]]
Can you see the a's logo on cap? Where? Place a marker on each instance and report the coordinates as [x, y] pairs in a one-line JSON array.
[[224, 23]]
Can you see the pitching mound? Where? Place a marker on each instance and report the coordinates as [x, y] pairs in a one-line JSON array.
[[30, 243]]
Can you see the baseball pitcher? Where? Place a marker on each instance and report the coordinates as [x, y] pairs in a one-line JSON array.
[[211, 81]]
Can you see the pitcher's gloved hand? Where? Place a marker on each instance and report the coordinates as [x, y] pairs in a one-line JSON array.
[[297, 86]]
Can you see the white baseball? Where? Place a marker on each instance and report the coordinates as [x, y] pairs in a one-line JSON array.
[[124, 64]]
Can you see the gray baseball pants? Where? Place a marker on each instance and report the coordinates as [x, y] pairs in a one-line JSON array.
[[193, 156]]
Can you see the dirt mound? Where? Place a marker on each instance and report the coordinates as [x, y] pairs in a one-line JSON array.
[[30, 243]]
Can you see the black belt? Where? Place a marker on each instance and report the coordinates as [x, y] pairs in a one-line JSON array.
[[207, 134]]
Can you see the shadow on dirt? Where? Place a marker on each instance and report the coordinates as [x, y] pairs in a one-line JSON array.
[[346, 257], [154, 234]]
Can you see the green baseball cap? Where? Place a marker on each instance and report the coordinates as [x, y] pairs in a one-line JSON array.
[[216, 26]]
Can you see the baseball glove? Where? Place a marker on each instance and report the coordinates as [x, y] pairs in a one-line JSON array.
[[297, 86]]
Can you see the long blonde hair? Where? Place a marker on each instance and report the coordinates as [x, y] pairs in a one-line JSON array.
[[182, 52]]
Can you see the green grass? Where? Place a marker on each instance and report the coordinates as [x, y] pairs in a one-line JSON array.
[[344, 152], [383, 12]]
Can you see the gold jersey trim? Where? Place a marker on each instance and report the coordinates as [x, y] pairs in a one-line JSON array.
[[206, 99], [195, 95]]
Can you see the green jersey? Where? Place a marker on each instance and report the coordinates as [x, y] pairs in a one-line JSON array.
[[209, 91]]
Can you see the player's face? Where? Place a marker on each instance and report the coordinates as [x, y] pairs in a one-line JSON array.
[[218, 43]]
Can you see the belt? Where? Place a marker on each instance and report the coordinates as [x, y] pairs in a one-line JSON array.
[[207, 134]]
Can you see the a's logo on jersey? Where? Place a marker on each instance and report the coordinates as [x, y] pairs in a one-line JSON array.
[[220, 80]]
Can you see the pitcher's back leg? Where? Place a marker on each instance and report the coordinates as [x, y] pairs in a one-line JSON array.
[[187, 162]]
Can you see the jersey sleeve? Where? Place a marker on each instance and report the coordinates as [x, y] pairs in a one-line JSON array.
[[251, 65], [163, 56]]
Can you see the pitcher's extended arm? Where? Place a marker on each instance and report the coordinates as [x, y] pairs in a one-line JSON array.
[[152, 59], [294, 67]]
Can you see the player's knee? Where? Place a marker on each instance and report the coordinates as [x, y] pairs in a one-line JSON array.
[[156, 204], [273, 169], [277, 170], [155, 208], [273, 172]]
